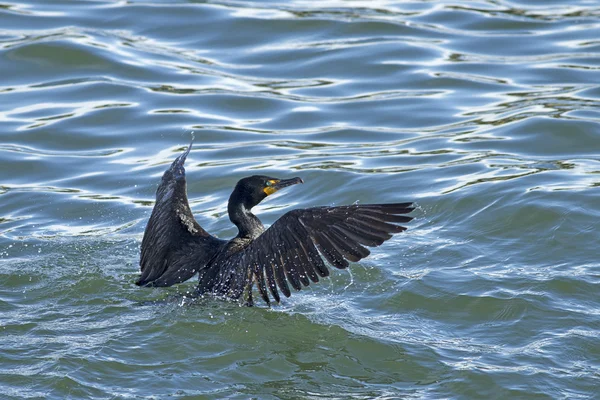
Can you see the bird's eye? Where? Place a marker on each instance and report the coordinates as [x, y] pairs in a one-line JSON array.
[[269, 183]]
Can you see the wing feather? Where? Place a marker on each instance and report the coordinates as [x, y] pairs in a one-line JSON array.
[[328, 250], [296, 248], [271, 279], [305, 260], [174, 247], [352, 251], [280, 278], [259, 277]]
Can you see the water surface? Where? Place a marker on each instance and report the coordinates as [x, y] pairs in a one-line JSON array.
[[485, 113]]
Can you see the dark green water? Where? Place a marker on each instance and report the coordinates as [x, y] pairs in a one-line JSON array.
[[486, 113]]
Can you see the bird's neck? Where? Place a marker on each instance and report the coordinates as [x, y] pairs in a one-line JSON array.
[[248, 224]]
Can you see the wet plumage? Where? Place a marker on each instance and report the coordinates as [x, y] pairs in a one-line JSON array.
[[294, 251]]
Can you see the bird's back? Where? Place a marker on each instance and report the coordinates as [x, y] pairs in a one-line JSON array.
[[226, 275]]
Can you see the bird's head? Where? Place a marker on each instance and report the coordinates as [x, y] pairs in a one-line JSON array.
[[252, 190]]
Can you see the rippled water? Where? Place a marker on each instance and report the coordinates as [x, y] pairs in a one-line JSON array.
[[483, 112]]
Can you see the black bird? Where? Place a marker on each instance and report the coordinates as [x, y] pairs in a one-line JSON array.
[[175, 247]]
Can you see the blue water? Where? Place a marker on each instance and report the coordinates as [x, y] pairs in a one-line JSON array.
[[484, 113]]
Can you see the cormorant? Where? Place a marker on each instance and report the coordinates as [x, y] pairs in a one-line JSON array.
[[293, 249]]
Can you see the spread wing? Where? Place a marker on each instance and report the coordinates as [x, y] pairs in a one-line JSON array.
[[291, 249], [174, 246]]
